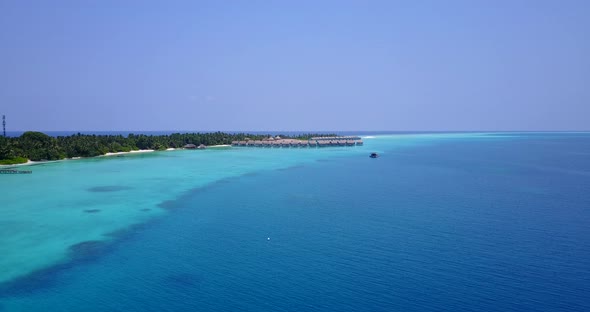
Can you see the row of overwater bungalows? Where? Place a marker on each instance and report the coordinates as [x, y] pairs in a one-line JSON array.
[[313, 142]]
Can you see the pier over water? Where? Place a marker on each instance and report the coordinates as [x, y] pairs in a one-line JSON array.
[[14, 171], [312, 142]]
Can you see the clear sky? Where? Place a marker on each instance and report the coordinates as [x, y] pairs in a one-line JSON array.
[[295, 65]]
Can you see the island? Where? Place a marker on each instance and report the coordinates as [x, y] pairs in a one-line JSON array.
[[38, 146]]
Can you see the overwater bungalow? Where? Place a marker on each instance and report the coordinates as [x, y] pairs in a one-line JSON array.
[[313, 142]]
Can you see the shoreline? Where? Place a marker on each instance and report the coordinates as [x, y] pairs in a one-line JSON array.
[[36, 162], [123, 153], [32, 162]]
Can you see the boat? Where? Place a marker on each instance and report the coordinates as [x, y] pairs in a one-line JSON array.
[[374, 155]]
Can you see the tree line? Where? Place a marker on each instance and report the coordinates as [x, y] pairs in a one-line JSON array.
[[40, 146]]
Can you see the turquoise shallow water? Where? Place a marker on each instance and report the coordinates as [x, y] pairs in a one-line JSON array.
[[494, 222], [69, 202]]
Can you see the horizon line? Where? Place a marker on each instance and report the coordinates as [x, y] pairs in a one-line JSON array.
[[309, 131]]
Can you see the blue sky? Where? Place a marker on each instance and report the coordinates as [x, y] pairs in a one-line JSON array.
[[295, 65]]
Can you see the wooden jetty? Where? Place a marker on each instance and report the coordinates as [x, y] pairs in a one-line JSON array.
[[14, 171], [293, 143]]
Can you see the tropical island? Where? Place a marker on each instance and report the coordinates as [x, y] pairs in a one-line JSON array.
[[38, 146]]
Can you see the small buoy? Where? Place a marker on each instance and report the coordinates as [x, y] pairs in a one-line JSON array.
[[268, 238]]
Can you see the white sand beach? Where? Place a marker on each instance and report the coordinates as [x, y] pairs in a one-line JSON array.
[[130, 152], [30, 162]]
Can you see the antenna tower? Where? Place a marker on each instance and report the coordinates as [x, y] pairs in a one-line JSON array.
[[4, 125]]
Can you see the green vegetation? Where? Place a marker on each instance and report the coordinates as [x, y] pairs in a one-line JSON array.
[[39, 146], [13, 161]]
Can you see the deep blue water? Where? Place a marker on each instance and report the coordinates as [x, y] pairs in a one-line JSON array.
[[453, 225]]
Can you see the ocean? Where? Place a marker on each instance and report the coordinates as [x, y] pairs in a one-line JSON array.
[[439, 222]]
